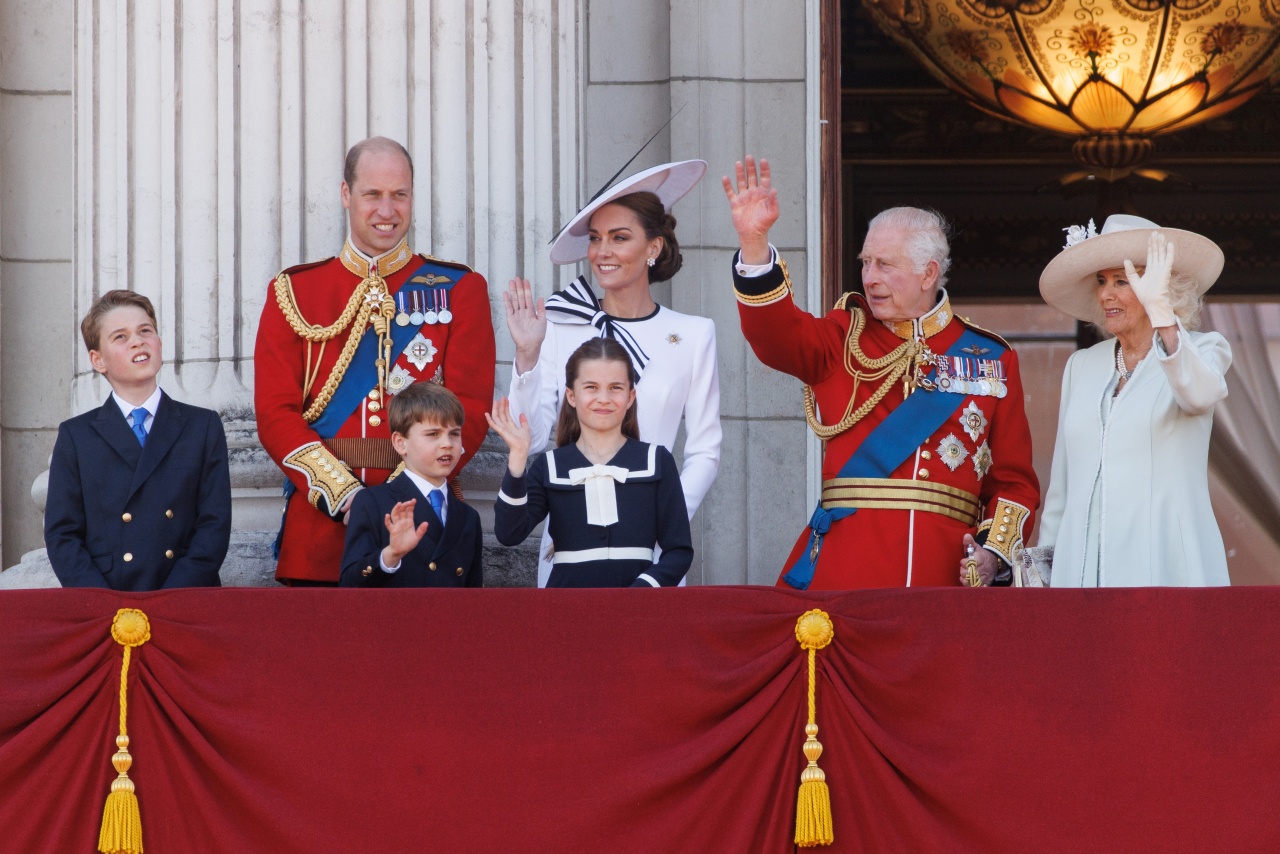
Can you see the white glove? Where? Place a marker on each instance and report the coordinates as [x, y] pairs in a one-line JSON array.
[[1152, 287]]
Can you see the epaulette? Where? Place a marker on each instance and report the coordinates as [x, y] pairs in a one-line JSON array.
[[457, 265], [976, 328], [300, 267], [843, 302]]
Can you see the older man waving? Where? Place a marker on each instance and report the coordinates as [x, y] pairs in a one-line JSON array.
[[928, 452]]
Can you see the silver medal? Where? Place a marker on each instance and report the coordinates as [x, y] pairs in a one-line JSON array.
[[416, 317], [430, 315]]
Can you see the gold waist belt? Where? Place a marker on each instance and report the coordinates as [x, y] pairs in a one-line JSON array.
[[365, 453], [889, 494]]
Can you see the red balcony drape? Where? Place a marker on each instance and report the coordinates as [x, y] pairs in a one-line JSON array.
[[646, 721]]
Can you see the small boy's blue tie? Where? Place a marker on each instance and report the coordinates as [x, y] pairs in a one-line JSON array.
[[139, 417], [437, 502]]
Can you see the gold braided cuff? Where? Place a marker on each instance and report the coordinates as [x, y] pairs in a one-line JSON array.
[[782, 291], [1004, 529], [329, 481]]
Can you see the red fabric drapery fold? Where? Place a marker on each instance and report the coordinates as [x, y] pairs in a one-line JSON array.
[[649, 721]]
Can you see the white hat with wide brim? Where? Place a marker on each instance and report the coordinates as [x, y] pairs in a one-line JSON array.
[[669, 182], [1070, 282]]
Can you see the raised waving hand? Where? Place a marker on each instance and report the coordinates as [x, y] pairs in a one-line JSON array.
[[753, 204]]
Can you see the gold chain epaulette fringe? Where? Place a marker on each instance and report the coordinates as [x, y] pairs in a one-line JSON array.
[[886, 370]]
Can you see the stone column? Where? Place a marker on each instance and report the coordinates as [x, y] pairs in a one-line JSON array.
[[208, 149], [37, 327], [738, 70]]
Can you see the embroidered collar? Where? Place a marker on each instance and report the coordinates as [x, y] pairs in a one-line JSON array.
[[384, 265], [926, 326]]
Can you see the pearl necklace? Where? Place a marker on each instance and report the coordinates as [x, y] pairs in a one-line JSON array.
[[1124, 372]]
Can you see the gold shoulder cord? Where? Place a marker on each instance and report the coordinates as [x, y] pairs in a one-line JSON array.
[[359, 309], [887, 369]]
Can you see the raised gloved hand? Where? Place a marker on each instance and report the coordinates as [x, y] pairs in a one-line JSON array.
[[1152, 287]]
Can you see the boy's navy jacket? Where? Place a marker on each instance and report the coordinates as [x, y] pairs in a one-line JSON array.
[[129, 517], [449, 555]]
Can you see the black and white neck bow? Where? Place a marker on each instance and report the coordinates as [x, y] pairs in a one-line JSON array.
[[578, 304]]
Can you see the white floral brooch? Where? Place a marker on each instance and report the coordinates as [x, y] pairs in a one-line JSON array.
[[1079, 233]]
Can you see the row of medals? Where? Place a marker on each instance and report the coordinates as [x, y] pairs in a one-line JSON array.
[[987, 387], [423, 314]]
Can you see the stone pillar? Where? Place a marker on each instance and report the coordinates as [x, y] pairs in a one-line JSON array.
[[37, 325], [738, 70], [209, 140]]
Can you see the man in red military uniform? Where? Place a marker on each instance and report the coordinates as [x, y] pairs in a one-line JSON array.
[[339, 336], [928, 451]]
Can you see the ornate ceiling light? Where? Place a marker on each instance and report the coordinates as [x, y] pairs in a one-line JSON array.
[[1111, 73]]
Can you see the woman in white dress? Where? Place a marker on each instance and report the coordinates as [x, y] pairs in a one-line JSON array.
[[1128, 501], [627, 234]]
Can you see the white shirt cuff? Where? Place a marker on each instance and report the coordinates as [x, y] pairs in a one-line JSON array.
[[389, 570], [750, 271]]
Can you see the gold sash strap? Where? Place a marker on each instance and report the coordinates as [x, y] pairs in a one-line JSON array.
[[890, 494]]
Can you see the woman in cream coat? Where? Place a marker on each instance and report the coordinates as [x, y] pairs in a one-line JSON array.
[[1128, 500]]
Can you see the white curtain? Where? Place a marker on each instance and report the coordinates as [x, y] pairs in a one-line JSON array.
[[1244, 452]]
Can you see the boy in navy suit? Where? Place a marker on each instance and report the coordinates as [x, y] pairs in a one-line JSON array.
[[409, 532], [140, 488]]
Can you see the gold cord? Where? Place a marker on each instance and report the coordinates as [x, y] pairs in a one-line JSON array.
[[888, 369], [360, 311], [289, 306]]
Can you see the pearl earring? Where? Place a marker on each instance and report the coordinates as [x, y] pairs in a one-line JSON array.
[[652, 261]]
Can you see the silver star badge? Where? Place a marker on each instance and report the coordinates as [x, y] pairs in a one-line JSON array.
[[420, 351], [399, 379], [973, 420], [982, 460], [952, 452]]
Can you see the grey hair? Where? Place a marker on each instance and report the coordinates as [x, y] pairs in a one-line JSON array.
[[928, 239], [1185, 299]]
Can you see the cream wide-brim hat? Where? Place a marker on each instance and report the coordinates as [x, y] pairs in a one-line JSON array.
[[670, 182], [1070, 282]]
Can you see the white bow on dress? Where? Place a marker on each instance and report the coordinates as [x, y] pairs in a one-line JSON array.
[[602, 501]]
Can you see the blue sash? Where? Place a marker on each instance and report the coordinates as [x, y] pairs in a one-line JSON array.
[[885, 448], [362, 373]]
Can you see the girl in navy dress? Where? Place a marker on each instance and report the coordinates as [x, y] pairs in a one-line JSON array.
[[616, 508]]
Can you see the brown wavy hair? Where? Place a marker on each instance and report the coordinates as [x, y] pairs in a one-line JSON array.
[[656, 222], [568, 429], [91, 326]]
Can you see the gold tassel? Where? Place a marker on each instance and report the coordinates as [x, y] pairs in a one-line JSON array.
[[121, 821], [814, 631]]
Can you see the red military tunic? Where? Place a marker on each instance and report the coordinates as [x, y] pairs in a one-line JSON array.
[[972, 475], [293, 377]]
